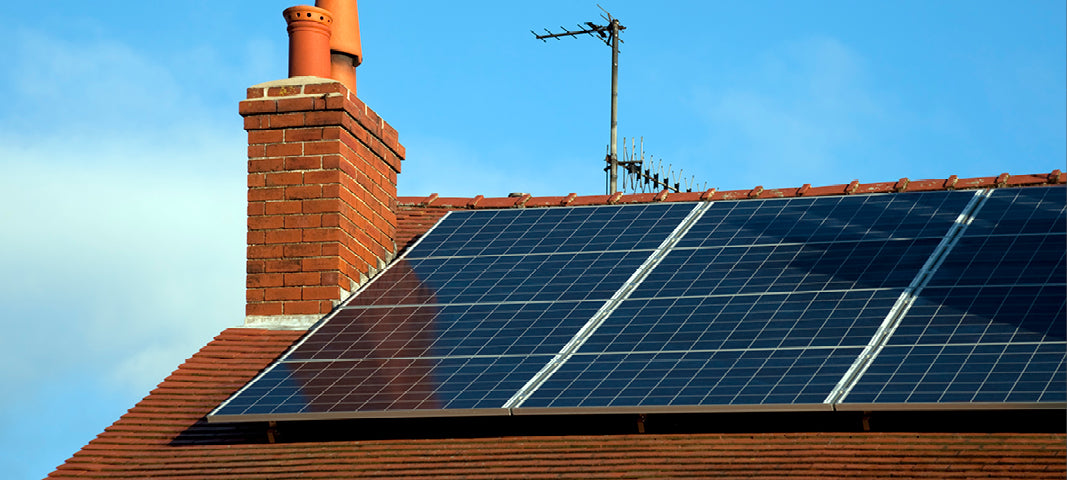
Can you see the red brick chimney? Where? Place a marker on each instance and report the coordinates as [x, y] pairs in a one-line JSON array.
[[322, 171]]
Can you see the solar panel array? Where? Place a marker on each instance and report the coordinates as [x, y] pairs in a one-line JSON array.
[[783, 304]]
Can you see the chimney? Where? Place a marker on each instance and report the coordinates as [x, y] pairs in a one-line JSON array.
[[322, 171]]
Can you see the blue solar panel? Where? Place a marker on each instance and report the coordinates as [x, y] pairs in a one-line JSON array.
[[446, 330], [551, 230], [810, 319], [788, 268], [695, 379], [991, 325], [502, 278], [965, 373], [1014, 211], [383, 385], [992, 314], [827, 219]]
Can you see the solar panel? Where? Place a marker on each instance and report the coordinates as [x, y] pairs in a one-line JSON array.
[[551, 230], [795, 320], [694, 379], [503, 278], [465, 318], [827, 219], [385, 386], [990, 326], [416, 331]]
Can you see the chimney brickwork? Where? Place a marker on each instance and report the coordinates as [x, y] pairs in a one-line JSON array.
[[322, 172]]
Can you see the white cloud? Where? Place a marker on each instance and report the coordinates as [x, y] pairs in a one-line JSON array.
[[111, 268], [122, 213]]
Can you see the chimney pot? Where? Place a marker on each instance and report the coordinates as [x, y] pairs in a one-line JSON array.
[[309, 41], [346, 51]]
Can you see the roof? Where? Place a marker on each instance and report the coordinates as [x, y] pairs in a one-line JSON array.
[[166, 434]]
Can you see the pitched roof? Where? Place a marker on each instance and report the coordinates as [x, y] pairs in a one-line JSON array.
[[166, 435]]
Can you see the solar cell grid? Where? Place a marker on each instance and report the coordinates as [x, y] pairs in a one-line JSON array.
[[1005, 260], [446, 330], [551, 230], [787, 268], [987, 372], [1013, 211], [810, 319], [384, 385], [985, 314], [827, 219], [502, 278], [695, 379]]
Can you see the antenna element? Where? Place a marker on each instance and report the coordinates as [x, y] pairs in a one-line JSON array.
[[609, 34]]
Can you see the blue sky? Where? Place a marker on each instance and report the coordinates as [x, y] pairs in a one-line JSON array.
[[123, 159]]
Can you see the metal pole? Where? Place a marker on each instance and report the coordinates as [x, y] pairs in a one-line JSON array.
[[613, 159]]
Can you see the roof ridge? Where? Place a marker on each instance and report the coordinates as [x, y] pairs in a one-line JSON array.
[[759, 192]]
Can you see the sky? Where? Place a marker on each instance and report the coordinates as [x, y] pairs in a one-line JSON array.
[[122, 156]]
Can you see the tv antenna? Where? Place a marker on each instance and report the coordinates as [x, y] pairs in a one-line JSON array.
[[609, 34], [651, 177]]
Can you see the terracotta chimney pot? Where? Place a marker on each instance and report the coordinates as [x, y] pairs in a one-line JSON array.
[[309, 41], [346, 52]]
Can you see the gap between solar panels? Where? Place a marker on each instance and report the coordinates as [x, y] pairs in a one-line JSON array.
[[622, 294], [907, 298]]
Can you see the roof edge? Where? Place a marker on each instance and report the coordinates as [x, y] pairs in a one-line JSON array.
[[902, 185]]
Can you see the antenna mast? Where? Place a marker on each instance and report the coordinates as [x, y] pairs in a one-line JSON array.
[[609, 34]]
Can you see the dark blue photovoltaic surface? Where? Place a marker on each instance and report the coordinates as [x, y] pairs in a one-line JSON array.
[[810, 319], [1004, 260], [991, 326], [1014, 211], [508, 278], [965, 373], [827, 219], [724, 377], [446, 330], [787, 268], [384, 384], [967, 315], [552, 230]]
